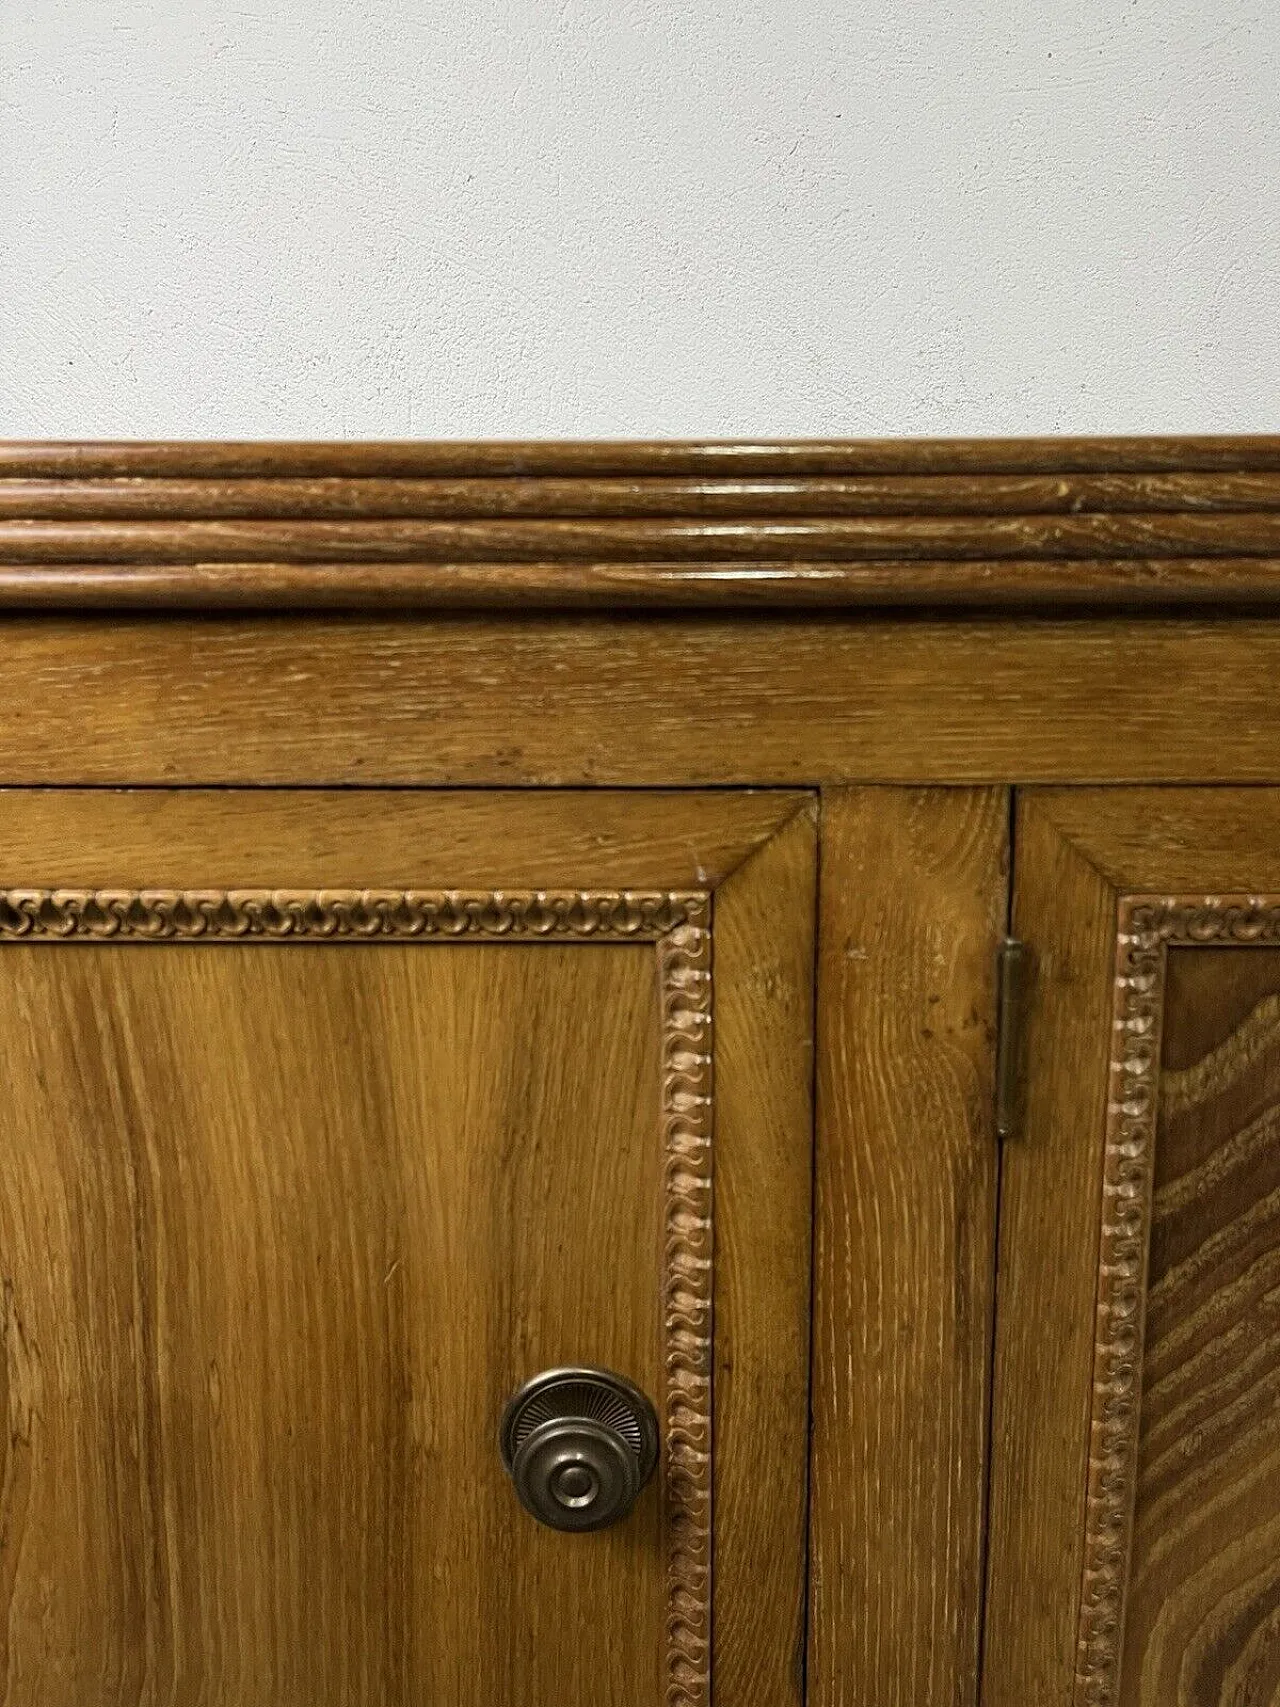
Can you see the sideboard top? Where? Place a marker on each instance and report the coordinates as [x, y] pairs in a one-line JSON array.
[[506, 525]]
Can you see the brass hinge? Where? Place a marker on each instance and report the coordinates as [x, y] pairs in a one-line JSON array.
[[1013, 965]]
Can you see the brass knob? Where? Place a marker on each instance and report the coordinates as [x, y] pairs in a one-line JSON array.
[[579, 1444]]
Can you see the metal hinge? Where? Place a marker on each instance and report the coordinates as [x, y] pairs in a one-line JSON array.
[[1013, 966]]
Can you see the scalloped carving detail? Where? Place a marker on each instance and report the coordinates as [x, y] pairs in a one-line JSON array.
[[685, 960], [679, 924], [1147, 927], [165, 915]]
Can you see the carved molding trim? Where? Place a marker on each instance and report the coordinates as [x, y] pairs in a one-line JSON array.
[[359, 915], [685, 960], [663, 525], [679, 924], [1147, 927]]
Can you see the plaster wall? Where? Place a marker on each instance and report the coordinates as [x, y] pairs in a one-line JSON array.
[[573, 218]]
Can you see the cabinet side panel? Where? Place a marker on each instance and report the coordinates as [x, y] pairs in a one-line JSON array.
[[913, 897]]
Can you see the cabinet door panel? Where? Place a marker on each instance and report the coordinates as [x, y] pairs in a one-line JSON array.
[[1203, 1614], [299, 1187], [1136, 1477]]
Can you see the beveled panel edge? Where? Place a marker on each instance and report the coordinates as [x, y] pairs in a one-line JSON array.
[[1147, 927], [970, 524], [393, 840], [1206, 837]]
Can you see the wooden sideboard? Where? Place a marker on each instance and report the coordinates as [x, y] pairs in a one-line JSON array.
[[794, 927]]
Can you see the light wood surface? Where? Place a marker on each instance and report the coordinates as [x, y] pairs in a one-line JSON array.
[[765, 584], [273, 1268], [514, 839], [764, 971], [1171, 840], [1048, 1270], [467, 702], [913, 908]]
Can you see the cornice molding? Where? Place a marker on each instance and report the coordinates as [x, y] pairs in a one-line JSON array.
[[669, 525]]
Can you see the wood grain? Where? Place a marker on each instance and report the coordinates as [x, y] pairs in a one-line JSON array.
[[457, 838], [212, 1225], [262, 1315], [1172, 840], [631, 458], [975, 584], [764, 941], [140, 499], [1048, 1274], [1156, 534], [657, 703], [913, 906], [713, 526], [1204, 1590]]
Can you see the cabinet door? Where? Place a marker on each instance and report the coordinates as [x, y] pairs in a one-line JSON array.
[[328, 1121], [1135, 1539]]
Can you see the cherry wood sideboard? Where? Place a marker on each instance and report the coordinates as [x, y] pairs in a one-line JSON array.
[[640, 1075]]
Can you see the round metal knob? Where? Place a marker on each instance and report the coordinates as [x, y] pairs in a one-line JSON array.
[[579, 1444]]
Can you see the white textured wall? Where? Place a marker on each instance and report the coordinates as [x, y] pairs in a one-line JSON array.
[[659, 217]]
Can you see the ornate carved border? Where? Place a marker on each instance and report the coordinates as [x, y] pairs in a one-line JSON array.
[[299, 915], [679, 923], [684, 956], [1147, 927]]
